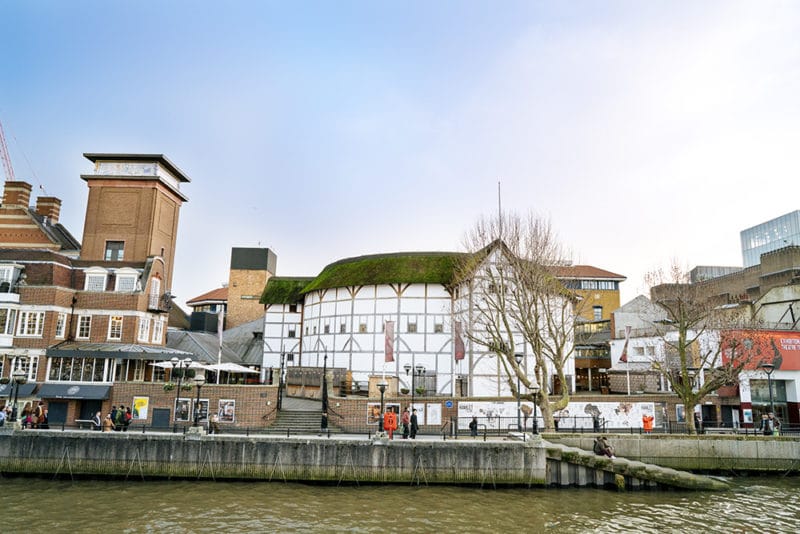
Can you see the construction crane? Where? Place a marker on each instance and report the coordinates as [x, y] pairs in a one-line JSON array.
[[4, 156]]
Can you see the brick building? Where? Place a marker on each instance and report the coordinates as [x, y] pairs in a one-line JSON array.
[[78, 320]]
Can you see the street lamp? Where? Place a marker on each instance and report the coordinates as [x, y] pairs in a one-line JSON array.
[[183, 365], [280, 381], [198, 381], [535, 426], [518, 358], [325, 384], [382, 387], [20, 377], [769, 368]]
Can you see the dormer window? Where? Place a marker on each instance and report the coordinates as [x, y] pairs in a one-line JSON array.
[[96, 279], [126, 280]]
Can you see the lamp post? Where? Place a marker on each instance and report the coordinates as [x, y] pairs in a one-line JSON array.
[[769, 368], [382, 387], [325, 384], [280, 381], [20, 377], [183, 365], [535, 425], [198, 381], [518, 358], [419, 370]]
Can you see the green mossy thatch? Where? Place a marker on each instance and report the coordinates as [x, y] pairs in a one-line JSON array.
[[284, 290], [404, 267]]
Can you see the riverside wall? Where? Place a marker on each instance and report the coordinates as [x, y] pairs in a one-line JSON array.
[[717, 453], [301, 459]]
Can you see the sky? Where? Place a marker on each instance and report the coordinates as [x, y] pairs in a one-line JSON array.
[[646, 132]]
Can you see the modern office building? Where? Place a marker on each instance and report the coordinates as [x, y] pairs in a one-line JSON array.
[[771, 235]]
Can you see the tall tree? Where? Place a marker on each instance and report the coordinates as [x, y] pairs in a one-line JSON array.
[[516, 300], [706, 344]]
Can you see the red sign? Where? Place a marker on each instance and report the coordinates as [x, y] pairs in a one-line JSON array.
[[780, 348]]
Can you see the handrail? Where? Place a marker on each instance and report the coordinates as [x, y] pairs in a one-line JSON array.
[[266, 415]]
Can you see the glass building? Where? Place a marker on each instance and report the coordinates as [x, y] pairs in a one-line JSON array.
[[768, 236]]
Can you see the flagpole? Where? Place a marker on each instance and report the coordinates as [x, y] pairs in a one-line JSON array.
[[220, 329]]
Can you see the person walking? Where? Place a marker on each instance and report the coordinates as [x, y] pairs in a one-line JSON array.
[[414, 424], [473, 427], [405, 419], [38, 415], [97, 421], [323, 424], [127, 417], [108, 424]]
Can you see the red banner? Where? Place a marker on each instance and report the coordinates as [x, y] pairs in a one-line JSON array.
[[459, 343], [389, 342], [782, 349]]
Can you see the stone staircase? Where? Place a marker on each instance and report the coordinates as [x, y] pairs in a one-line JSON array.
[[299, 422]]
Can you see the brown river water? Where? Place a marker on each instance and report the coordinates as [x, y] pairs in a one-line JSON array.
[[755, 504]]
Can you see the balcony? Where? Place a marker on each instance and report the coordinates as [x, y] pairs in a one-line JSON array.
[[9, 293]]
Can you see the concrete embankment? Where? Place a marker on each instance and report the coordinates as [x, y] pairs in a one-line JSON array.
[[707, 453], [532, 462], [258, 458]]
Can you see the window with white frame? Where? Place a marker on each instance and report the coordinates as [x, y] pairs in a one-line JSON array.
[[61, 325], [155, 292], [6, 273], [412, 325], [144, 329], [158, 330], [125, 283], [31, 324], [597, 313], [115, 327], [77, 370], [29, 364], [8, 317], [292, 332], [84, 327], [95, 281]]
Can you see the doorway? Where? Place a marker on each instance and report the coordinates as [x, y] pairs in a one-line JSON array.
[[57, 413]]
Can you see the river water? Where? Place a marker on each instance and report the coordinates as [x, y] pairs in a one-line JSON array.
[[754, 505]]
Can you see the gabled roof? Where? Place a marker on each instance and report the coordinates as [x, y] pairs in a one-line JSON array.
[[56, 232], [204, 346], [246, 341], [217, 295], [583, 272]]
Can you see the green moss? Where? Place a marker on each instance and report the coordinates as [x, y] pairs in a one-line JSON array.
[[411, 267], [284, 290]]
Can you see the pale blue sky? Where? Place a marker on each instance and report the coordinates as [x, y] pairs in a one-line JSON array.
[[646, 131]]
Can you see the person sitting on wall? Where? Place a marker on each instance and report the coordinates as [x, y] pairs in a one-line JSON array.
[[602, 447]]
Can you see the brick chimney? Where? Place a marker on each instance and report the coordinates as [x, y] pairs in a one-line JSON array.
[[49, 207], [17, 194]]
